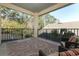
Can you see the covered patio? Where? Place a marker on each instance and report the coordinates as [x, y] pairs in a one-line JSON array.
[[34, 43], [36, 10]]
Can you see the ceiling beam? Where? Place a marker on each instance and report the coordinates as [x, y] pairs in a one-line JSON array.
[[9, 5], [52, 8]]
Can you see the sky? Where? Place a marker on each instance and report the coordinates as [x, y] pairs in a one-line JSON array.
[[67, 14]]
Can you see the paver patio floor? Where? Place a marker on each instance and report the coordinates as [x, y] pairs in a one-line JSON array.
[[28, 47]]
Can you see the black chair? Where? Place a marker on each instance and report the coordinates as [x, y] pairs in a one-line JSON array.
[[64, 49], [72, 42]]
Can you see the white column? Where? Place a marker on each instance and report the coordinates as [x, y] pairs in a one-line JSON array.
[[35, 25]]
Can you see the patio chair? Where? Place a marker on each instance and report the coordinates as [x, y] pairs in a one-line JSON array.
[[61, 48], [72, 52], [71, 42], [65, 47], [63, 51]]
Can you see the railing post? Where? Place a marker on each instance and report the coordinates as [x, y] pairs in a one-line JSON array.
[[0, 35], [23, 34], [77, 32], [0, 29]]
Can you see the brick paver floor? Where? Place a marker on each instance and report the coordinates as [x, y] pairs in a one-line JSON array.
[[30, 47]]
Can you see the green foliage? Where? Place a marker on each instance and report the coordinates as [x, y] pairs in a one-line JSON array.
[[55, 33], [12, 24], [47, 19], [77, 39], [40, 23], [68, 34], [10, 14], [28, 32]]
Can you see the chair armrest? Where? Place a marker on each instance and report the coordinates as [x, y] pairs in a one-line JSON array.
[[61, 48], [68, 44]]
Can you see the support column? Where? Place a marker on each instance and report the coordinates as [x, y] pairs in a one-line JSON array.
[[36, 25]]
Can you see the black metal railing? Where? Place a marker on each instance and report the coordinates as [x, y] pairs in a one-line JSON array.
[[50, 34], [58, 34], [9, 34]]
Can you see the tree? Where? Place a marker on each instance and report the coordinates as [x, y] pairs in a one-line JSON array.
[[47, 19], [4, 12], [12, 24], [40, 23], [11, 15]]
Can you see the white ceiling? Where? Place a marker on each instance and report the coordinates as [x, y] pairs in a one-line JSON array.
[[34, 7]]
